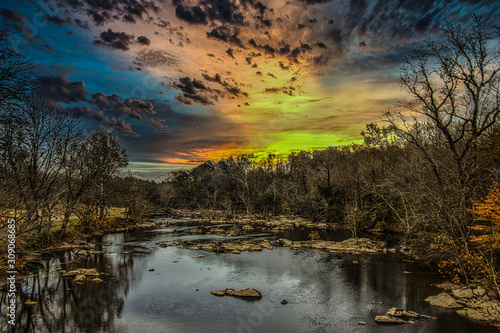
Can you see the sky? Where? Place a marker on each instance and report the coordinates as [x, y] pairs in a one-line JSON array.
[[181, 82]]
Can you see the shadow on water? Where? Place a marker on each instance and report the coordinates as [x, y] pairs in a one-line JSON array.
[[324, 292]]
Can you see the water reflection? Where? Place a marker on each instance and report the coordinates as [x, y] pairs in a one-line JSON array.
[[325, 293]]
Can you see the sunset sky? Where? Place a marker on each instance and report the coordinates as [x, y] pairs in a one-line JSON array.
[[184, 81]]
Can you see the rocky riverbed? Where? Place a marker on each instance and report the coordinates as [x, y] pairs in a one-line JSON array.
[[349, 246], [473, 302]]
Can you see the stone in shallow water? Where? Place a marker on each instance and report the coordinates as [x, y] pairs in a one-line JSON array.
[[247, 292], [388, 320], [443, 300]]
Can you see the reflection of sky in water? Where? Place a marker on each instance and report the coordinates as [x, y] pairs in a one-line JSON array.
[[325, 293]]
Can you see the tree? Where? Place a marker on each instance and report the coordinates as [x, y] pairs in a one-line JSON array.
[[17, 79], [455, 89], [106, 156], [92, 163], [35, 142]]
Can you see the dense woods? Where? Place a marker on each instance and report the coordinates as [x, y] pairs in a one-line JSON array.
[[429, 171]]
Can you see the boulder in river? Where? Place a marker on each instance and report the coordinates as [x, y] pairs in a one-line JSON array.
[[246, 293], [82, 271], [201, 230], [443, 300], [388, 320], [234, 231], [395, 312]]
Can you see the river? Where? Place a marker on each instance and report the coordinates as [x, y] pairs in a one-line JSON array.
[[324, 292]]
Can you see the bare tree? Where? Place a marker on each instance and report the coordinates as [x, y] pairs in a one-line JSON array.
[[455, 87], [35, 141], [17, 78]]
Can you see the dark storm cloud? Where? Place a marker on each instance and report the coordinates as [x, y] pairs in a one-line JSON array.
[[194, 14], [58, 20], [133, 108], [81, 24], [60, 89], [313, 2], [285, 90], [89, 113], [233, 90], [223, 11], [159, 126], [226, 34], [230, 52], [194, 91], [114, 40], [104, 11], [143, 40], [12, 15], [99, 18]]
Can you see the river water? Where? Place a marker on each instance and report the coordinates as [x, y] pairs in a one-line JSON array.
[[325, 292]]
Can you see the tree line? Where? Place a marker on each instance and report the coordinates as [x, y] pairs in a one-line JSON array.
[[423, 173]]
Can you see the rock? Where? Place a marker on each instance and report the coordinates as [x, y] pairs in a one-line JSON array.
[[201, 256], [151, 269], [471, 314], [479, 291], [247, 228], [247, 292], [82, 253], [284, 302], [388, 320], [443, 300], [234, 231], [199, 230], [80, 278], [97, 280], [216, 231], [395, 312], [82, 271], [463, 293], [218, 292]]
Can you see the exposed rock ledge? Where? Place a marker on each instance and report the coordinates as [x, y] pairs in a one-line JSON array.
[[82, 274], [473, 303], [247, 292], [398, 316], [349, 246]]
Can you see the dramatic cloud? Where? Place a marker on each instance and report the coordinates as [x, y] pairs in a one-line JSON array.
[[194, 91], [114, 40], [12, 15], [227, 35], [89, 113], [221, 74], [58, 20], [144, 40], [60, 89]]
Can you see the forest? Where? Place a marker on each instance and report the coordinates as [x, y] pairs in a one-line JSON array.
[[428, 171]]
